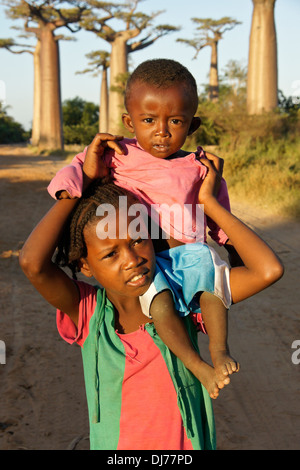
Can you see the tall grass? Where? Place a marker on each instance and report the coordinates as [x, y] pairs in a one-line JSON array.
[[266, 175]]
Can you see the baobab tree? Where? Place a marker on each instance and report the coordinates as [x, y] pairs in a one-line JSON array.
[[209, 33], [133, 24], [262, 64], [100, 60], [42, 19]]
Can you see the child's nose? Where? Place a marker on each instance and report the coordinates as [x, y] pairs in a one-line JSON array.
[[162, 129], [131, 259]]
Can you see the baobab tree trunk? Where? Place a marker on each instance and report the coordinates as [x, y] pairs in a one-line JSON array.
[[35, 135], [118, 66], [103, 109], [213, 73], [51, 136], [262, 65]]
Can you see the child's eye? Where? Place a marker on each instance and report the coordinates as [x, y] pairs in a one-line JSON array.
[[139, 241], [148, 120], [110, 255], [176, 121]]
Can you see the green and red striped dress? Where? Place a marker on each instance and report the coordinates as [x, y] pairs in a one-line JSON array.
[[140, 396]]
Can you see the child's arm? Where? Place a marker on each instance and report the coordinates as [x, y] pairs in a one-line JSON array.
[[36, 260], [261, 265], [70, 182], [215, 232], [221, 193], [36, 255]]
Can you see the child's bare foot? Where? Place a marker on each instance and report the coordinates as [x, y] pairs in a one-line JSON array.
[[209, 379], [213, 383], [224, 364]]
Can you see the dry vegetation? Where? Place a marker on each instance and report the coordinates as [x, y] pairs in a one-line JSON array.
[[261, 153]]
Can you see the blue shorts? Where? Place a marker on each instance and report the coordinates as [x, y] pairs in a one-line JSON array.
[[187, 270]]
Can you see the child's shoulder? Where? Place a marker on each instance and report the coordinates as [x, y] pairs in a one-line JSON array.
[[180, 154], [89, 297], [130, 145], [87, 290], [184, 153], [130, 141]]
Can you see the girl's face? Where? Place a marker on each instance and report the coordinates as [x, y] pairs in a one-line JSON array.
[[124, 266], [161, 119]]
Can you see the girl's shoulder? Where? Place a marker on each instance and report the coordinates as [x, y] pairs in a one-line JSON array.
[[88, 295]]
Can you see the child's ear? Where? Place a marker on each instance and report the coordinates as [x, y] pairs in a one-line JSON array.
[[127, 122], [195, 124], [84, 267]]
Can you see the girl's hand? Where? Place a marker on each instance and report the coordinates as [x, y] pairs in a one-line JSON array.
[[218, 161], [93, 166], [211, 184]]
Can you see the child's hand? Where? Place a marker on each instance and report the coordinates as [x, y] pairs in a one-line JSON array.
[[218, 162], [93, 166], [211, 184]]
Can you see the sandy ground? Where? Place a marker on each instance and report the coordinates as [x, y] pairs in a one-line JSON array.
[[43, 404]]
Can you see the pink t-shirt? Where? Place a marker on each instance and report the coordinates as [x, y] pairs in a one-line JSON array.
[[146, 378], [168, 187]]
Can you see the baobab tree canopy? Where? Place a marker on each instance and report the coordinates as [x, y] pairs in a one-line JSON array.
[[208, 33]]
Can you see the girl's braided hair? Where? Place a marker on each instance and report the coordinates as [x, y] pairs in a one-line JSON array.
[[72, 245]]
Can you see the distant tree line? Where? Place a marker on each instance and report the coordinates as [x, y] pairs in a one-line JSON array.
[[80, 121], [11, 132]]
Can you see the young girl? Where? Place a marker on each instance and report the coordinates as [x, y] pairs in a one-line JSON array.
[[140, 396], [161, 100]]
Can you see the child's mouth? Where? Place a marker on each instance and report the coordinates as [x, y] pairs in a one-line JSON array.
[[160, 147], [138, 280]]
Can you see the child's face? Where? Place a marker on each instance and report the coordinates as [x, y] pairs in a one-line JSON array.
[[124, 266], [161, 118]]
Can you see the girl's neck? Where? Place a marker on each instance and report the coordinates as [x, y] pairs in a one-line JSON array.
[[128, 314]]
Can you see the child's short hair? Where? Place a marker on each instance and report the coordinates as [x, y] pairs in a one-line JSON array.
[[72, 245], [162, 73]]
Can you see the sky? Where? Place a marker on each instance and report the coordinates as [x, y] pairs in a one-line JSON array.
[[16, 72]]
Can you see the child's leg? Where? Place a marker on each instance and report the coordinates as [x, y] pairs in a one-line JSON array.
[[172, 331], [214, 315]]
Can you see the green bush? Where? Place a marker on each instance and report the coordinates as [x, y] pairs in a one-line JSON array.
[[80, 133], [11, 132], [80, 121]]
